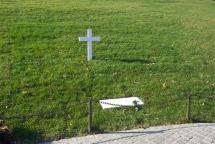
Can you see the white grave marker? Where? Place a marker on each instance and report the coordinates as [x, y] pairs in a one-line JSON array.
[[89, 40], [121, 102]]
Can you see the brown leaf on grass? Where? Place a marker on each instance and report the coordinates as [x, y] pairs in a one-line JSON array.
[[136, 82], [24, 92], [164, 85], [213, 85]]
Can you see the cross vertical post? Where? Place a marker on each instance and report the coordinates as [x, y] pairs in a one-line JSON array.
[[89, 44]]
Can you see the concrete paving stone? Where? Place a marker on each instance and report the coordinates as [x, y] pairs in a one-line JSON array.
[[207, 139], [197, 133]]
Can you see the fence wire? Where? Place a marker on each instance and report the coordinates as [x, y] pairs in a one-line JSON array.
[[150, 108], [73, 119]]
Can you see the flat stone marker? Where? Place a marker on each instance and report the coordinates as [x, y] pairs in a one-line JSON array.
[[121, 102], [89, 40]]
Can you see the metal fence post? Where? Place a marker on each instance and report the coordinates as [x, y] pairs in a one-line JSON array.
[[90, 114], [189, 102]]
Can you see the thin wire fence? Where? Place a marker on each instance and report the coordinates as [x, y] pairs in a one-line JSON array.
[[178, 106], [74, 119]]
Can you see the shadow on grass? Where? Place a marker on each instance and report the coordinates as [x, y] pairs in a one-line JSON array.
[[202, 121], [97, 130], [128, 60], [23, 135], [134, 61]]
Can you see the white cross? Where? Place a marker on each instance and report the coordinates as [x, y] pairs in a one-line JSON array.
[[89, 40]]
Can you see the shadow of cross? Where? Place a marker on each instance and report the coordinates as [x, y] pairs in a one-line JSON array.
[[89, 40]]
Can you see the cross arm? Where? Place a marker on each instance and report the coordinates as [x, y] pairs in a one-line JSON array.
[[82, 38], [96, 39]]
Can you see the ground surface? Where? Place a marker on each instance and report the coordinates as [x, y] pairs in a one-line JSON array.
[[154, 49], [199, 133]]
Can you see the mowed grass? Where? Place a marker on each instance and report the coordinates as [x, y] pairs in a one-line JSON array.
[[154, 49]]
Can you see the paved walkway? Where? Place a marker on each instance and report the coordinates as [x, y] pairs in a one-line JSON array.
[[198, 133]]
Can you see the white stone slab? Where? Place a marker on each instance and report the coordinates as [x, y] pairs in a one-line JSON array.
[[121, 102]]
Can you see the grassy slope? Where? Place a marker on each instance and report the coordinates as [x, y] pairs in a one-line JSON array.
[[154, 49]]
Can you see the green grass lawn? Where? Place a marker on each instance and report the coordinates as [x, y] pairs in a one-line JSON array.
[[154, 49]]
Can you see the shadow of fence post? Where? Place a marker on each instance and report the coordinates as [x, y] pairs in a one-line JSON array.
[[90, 114], [189, 108]]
